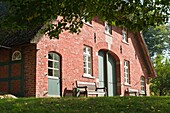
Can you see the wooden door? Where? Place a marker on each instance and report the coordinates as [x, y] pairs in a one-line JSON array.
[[106, 72], [101, 68], [111, 76]]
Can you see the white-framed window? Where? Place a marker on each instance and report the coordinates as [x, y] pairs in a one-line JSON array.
[[126, 72], [142, 84], [108, 28], [53, 64], [124, 36], [16, 56], [88, 22], [87, 60]]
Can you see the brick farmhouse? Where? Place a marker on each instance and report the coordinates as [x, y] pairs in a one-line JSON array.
[[33, 65]]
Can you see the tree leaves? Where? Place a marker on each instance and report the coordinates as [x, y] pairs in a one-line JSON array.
[[157, 39], [131, 14], [160, 85]]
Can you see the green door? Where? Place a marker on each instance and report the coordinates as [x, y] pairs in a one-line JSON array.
[[106, 72], [101, 68], [111, 76], [54, 84]]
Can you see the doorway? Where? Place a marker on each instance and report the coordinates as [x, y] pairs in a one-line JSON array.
[[54, 75], [107, 72]]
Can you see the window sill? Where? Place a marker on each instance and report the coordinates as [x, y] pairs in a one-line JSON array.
[[142, 92], [88, 76], [108, 34], [125, 42], [127, 84]]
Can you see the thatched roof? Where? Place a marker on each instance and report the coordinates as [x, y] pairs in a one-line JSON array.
[[9, 38]]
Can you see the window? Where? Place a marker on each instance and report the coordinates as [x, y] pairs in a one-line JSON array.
[[142, 84], [108, 28], [16, 56], [53, 65], [87, 61], [124, 36], [88, 22], [126, 72]]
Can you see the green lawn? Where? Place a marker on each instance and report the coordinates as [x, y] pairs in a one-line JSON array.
[[86, 105]]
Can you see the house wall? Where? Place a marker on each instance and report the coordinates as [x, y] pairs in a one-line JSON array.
[[70, 47], [29, 52], [4, 59], [18, 77]]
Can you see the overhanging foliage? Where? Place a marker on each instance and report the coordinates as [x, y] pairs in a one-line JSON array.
[[132, 14]]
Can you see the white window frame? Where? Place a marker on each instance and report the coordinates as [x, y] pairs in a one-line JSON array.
[[108, 29], [142, 84], [89, 23], [87, 57], [54, 68], [16, 56], [124, 36], [126, 73]]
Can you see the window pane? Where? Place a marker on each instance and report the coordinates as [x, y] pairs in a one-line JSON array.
[[124, 36], [89, 71], [56, 65], [142, 81], [89, 51], [50, 72], [16, 55], [107, 28], [85, 58], [126, 71], [50, 56], [142, 88], [89, 58], [85, 70], [84, 49], [50, 64], [89, 65], [85, 64], [56, 57], [56, 73]]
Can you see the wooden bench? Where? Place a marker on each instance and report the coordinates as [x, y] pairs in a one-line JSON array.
[[89, 88], [132, 91]]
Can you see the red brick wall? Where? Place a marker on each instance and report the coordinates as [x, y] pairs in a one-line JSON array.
[[29, 70], [29, 59], [70, 47]]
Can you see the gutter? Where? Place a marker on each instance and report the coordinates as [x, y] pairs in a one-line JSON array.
[[1, 46]]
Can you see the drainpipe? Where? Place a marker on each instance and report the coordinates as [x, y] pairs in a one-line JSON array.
[[5, 47]]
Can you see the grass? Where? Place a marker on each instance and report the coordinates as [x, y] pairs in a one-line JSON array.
[[86, 105]]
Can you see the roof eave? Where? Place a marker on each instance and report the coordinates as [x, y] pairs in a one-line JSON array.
[[146, 54]]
